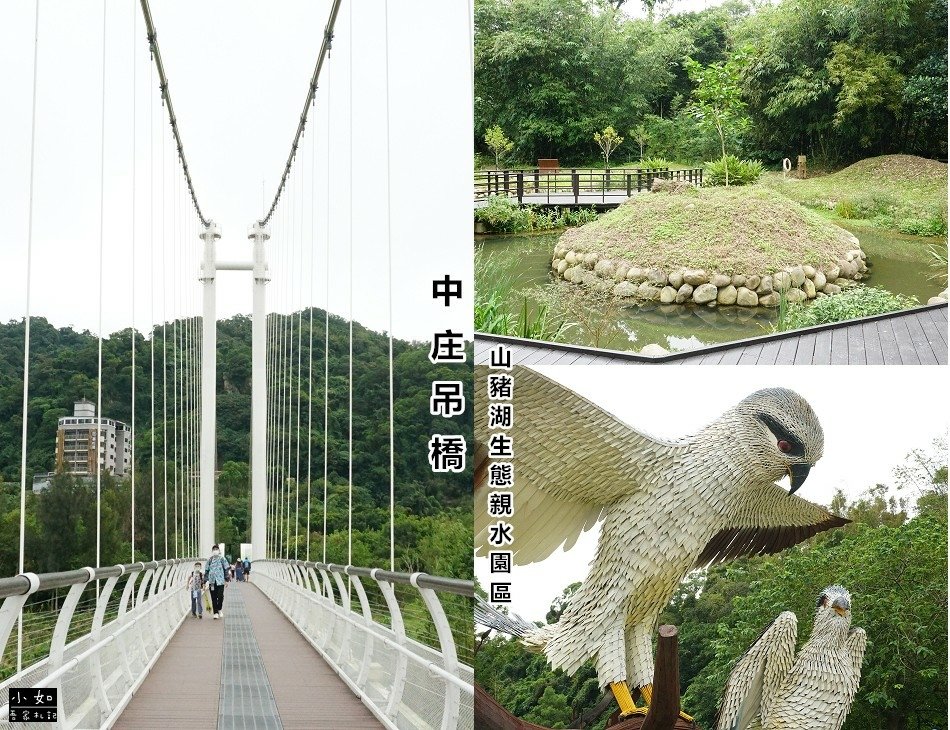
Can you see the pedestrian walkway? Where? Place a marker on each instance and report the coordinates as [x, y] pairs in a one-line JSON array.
[[252, 669]]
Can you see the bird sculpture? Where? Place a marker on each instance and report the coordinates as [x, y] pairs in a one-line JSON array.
[[666, 508], [772, 689]]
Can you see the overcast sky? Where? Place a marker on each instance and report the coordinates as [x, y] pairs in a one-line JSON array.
[[238, 74], [871, 417]]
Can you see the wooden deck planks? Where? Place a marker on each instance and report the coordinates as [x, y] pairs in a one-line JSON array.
[[907, 338], [309, 694], [183, 687]]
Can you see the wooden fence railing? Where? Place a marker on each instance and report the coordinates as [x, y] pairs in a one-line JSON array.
[[575, 186]]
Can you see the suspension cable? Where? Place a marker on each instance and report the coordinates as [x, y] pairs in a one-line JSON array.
[[297, 389], [26, 334], [151, 249], [132, 434], [164, 364], [313, 154], [349, 527], [175, 287], [101, 451], [389, 261], [166, 96], [326, 326], [311, 91]]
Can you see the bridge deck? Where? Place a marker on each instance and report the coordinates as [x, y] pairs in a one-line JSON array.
[[913, 337], [251, 669]]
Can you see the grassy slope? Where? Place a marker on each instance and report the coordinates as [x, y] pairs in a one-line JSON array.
[[733, 230], [895, 187]]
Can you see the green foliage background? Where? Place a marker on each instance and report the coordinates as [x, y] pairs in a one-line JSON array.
[[434, 513], [835, 81]]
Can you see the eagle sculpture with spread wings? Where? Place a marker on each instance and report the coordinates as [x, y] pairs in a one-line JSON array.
[[772, 689], [666, 507]]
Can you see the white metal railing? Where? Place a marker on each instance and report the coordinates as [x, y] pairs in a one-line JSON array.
[[97, 672], [404, 682]]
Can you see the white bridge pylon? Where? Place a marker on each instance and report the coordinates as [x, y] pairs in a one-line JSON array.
[[209, 268]]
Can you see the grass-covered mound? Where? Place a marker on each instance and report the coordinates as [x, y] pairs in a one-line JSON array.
[[733, 230], [903, 192]]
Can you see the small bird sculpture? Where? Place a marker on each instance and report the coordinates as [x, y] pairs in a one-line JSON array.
[[772, 689], [666, 508]]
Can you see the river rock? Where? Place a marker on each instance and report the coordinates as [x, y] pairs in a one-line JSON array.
[[684, 294], [620, 274], [809, 288], [667, 295], [648, 292], [635, 274], [809, 271], [765, 286], [936, 300], [769, 300], [737, 280], [745, 297], [831, 272], [695, 277], [561, 267], [794, 296], [604, 268], [589, 260], [752, 281], [727, 295], [656, 277], [820, 280], [831, 289], [704, 293], [625, 290], [676, 279], [798, 276], [571, 258], [720, 280], [781, 281], [653, 350]]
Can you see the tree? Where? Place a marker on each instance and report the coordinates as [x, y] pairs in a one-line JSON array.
[[498, 143], [717, 99], [641, 136], [608, 141]]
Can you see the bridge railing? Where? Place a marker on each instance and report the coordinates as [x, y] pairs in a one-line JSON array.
[[411, 670], [101, 641], [575, 186]]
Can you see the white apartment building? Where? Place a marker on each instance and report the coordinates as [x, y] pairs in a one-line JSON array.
[[76, 443]]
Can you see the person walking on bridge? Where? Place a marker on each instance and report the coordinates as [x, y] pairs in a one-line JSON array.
[[214, 573]]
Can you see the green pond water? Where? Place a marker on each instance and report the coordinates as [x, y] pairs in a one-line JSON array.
[[900, 264]]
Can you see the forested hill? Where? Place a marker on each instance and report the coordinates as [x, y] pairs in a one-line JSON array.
[[63, 366], [839, 81]]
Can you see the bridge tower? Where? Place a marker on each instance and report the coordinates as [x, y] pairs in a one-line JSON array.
[[209, 268]]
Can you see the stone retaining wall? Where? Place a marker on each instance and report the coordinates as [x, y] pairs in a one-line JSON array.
[[696, 286]]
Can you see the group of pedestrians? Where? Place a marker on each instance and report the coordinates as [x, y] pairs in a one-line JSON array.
[[208, 585]]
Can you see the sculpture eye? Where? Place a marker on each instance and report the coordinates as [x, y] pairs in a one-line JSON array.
[[784, 447]]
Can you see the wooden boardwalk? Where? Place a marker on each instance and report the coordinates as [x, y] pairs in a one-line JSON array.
[[251, 669], [913, 337]]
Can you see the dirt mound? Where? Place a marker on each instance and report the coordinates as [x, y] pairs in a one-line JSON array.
[[895, 168]]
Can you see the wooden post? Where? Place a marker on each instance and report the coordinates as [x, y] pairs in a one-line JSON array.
[[507, 190], [802, 167], [537, 180], [665, 707], [520, 186], [629, 191], [575, 185]]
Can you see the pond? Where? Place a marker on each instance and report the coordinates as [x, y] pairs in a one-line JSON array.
[[899, 263]]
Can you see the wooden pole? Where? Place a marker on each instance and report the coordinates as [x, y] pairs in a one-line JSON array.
[[665, 707]]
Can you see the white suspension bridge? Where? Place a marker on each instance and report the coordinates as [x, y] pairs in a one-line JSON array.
[[305, 643]]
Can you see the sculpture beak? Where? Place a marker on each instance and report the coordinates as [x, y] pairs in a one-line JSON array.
[[841, 605], [798, 473]]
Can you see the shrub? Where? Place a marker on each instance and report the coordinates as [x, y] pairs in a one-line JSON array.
[[858, 301], [653, 163], [846, 209], [504, 216], [933, 226], [741, 172]]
